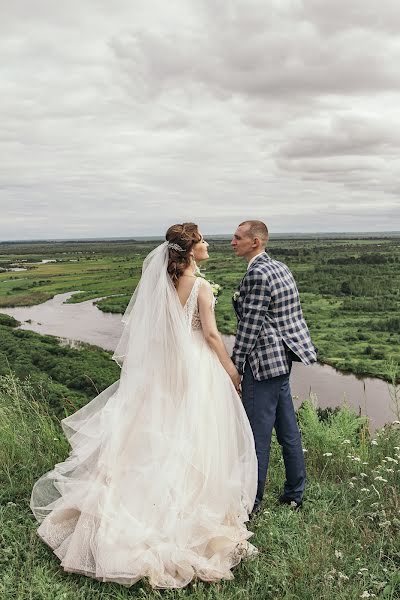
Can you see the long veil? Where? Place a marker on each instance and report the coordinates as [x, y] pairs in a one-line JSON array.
[[154, 353]]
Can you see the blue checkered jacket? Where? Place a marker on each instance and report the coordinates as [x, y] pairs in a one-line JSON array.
[[270, 321]]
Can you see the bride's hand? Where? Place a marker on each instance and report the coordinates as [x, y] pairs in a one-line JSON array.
[[236, 380]]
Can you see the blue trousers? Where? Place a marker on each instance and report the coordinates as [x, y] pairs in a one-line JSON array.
[[269, 404]]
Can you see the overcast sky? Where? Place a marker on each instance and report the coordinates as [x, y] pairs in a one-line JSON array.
[[119, 118]]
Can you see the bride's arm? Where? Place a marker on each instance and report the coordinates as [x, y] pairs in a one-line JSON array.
[[211, 333]]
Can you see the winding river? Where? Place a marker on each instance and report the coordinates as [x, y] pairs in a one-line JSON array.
[[84, 322]]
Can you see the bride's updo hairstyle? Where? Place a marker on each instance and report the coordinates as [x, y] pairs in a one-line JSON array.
[[181, 238]]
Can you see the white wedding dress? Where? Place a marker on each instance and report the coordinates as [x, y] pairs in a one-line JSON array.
[[162, 473]]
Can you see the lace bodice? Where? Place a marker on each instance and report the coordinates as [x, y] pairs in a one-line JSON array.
[[191, 308]]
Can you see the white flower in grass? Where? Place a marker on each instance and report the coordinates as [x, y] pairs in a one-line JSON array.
[[305, 450], [374, 443], [343, 576], [390, 459], [327, 454], [397, 447], [389, 470], [364, 490], [351, 484], [365, 463], [362, 570], [379, 478], [338, 554], [346, 442], [356, 459], [363, 475], [366, 594]]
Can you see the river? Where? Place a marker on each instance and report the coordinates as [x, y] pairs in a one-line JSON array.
[[84, 322]]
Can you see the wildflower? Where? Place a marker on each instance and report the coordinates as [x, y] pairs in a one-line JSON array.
[[338, 554], [397, 447], [362, 570], [365, 463], [364, 490], [343, 576], [366, 594], [327, 454], [346, 442], [363, 475], [379, 478], [373, 443], [11, 504], [351, 484], [390, 459], [356, 459], [389, 470], [305, 450]]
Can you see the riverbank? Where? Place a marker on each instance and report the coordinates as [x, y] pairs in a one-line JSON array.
[[342, 545], [348, 287], [83, 322]]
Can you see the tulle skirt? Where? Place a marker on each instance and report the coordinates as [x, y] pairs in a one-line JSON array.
[[159, 482]]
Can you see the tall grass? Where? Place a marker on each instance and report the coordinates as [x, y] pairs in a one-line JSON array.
[[343, 545]]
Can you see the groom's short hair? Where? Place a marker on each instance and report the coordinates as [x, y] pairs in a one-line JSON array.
[[257, 229]]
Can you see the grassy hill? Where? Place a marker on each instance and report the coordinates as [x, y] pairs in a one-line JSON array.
[[343, 545]]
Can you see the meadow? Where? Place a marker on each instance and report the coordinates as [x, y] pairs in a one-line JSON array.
[[349, 287], [342, 545]]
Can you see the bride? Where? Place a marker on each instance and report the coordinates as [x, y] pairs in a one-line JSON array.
[[162, 474]]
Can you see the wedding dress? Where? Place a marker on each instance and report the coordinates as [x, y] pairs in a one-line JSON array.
[[162, 473]]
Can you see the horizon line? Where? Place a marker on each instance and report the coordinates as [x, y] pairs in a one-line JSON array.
[[151, 237]]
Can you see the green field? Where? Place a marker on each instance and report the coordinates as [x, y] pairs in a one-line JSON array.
[[344, 543], [350, 288]]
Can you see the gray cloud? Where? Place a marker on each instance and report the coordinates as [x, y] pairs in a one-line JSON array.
[[117, 119]]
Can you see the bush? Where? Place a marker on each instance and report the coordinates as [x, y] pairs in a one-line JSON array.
[[8, 321]]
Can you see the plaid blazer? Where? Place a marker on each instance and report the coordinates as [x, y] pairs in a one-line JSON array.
[[271, 326]]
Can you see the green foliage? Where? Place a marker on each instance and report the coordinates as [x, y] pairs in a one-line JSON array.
[[350, 288], [71, 376], [8, 321], [344, 541]]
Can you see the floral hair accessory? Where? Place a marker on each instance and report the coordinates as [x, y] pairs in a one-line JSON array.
[[176, 247]]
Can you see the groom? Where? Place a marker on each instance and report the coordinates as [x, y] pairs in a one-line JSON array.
[[271, 334]]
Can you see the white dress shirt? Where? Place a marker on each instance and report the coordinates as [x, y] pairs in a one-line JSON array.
[[254, 258]]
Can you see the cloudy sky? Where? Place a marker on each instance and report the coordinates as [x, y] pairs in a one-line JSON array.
[[121, 117]]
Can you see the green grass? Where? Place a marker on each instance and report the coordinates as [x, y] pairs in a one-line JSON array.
[[343, 543], [349, 288]]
